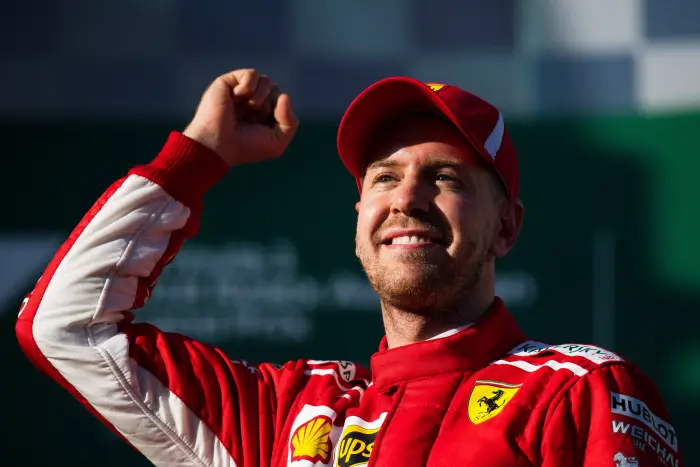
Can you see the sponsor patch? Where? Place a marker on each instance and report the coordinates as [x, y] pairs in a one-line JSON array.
[[632, 407], [488, 399], [347, 370], [311, 441], [595, 354], [623, 461], [312, 437], [251, 368], [436, 86], [357, 441], [643, 439]]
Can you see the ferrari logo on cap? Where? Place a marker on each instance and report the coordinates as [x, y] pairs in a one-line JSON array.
[[488, 399], [436, 86]]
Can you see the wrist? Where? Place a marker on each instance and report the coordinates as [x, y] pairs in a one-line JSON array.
[[210, 140], [206, 139], [185, 168]]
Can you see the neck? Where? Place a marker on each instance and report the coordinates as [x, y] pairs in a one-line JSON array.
[[405, 327]]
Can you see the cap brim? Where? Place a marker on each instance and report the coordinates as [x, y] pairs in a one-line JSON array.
[[384, 101]]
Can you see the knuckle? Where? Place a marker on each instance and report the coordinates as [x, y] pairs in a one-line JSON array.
[[244, 76], [264, 84], [220, 80]]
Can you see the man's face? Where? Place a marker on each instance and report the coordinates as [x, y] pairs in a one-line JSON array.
[[428, 217]]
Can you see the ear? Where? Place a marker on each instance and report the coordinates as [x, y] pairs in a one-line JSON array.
[[357, 206], [510, 225]]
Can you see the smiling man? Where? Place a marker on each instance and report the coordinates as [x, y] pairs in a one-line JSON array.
[[455, 382]]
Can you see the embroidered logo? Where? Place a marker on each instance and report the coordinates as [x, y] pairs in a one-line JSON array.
[[357, 441], [436, 86], [312, 437], [311, 441], [622, 461], [488, 398]]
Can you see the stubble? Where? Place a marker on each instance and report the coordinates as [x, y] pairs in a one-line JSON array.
[[421, 285]]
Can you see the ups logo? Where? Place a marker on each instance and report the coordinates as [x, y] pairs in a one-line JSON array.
[[356, 446]]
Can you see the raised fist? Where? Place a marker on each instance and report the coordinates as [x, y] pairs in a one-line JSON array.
[[244, 118]]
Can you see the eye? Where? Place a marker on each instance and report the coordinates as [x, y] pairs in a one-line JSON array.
[[383, 178], [443, 177]]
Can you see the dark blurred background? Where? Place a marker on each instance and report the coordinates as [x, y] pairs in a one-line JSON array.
[[603, 102]]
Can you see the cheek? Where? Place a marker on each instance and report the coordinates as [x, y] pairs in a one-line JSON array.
[[369, 218], [459, 215]]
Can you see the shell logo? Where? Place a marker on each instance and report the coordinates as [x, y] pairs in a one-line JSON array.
[[311, 441], [436, 86]]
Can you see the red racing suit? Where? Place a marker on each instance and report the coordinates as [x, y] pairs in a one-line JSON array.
[[484, 395]]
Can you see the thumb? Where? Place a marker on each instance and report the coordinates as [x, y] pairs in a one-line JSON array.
[[287, 122]]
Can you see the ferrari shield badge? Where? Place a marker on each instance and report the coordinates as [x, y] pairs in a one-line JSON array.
[[488, 399], [436, 86]]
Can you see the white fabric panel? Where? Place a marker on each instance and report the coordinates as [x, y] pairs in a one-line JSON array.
[[96, 280], [554, 365]]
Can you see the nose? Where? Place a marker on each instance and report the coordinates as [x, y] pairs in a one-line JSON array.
[[411, 197]]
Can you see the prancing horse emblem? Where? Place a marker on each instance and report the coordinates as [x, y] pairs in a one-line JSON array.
[[490, 402], [488, 398]]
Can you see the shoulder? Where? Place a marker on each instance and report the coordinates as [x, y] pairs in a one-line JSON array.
[[611, 405], [583, 372], [576, 359], [585, 375], [555, 370], [585, 354]]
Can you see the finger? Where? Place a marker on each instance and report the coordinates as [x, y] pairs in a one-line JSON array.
[[261, 92], [287, 122], [231, 79], [246, 83], [267, 109]]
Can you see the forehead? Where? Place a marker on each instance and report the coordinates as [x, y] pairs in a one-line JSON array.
[[423, 135]]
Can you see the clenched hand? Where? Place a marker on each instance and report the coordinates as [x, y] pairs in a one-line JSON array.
[[244, 118]]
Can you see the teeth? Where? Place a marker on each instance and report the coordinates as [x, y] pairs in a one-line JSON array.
[[409, 240]]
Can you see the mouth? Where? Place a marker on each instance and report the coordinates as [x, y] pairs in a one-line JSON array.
[[412, 239]]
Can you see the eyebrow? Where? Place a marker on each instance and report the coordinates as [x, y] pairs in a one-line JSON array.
[[392, 164], [381, 164]]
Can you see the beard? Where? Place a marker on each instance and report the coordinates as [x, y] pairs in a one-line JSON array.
[[419, 283]]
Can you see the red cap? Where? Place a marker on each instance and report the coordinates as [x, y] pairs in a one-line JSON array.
[[480, 122]]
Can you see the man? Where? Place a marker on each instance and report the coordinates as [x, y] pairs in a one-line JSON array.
[[455, 382]]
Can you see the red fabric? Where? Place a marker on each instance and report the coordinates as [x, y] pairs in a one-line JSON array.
[[392, 97], [185, 168], [447, 355], [583, 429], [237, 402]]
